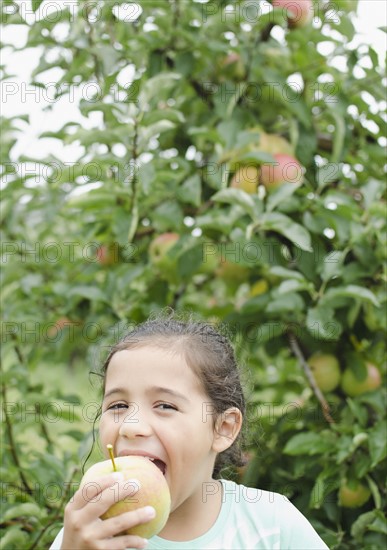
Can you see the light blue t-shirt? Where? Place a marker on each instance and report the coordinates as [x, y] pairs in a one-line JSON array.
[[249, 519]]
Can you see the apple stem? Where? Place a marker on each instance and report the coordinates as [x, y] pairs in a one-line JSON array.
[[109, 447]]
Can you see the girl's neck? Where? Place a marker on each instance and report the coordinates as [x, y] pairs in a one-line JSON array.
[[195, 516]]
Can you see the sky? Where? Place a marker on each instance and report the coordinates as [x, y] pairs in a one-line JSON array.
[[371, 14]]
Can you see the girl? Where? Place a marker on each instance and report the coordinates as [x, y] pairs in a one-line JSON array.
[[172, 390]]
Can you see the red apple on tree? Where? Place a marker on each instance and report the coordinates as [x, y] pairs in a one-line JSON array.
[[159, 247], [60, 325], [352, 386], [107, 254], [233, 67], [285, 169], [299, 13]]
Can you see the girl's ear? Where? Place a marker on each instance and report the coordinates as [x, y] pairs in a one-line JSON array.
[[227, 428]]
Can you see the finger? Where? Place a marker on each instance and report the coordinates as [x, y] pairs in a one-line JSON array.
[[120, 491], [94, 492], [118, 524]]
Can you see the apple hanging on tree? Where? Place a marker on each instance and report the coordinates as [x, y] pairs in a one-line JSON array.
[[299, 13], [326, 370], [353, 495], [107, 254], [285, 169], [352, 386], [246, 178]]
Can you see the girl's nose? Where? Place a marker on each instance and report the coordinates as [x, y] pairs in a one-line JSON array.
[[135, 424]]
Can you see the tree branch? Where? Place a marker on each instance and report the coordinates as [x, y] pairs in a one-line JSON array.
[[12, 443], [306, 368]]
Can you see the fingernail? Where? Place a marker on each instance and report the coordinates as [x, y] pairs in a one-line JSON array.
[[118, 476], [144, 543], [150, 511]]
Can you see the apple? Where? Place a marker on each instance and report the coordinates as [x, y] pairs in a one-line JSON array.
[[285, 169], [353, 387], [160, 246], [154, 491], [107, 254], [246, 178], [232, 66], [299, 13], [274, 144], [232, 273], [353, 495], [60, 324], [326, 370]]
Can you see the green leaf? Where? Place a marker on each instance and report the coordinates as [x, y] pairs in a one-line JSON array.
[[279, 195], [239, 197], [309, 444], [284, 225], [190, 191], [36, 4], [162, 81], [350, 291], [377, 443], [375, 492], [332, 265], [89, 292], [14, 538], [286, 302], [287, 273], [189, 261], [24, 509], [293, 285], [322, 324]]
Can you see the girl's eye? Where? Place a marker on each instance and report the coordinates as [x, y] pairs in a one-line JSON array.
[[166, 407], [117, 406]]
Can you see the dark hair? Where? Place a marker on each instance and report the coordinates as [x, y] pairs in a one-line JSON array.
[[211, 357]]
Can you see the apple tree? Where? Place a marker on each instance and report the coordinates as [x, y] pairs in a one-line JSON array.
[[229, 162]]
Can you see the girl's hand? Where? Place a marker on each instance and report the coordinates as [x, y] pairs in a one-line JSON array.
[[83, 528]]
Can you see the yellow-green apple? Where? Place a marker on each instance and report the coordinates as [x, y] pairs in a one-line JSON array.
[[285, 169], [154, 490], [274, 144], [246, 178], [326, 370], [299, 13], [353, 387], [232, 273], [159, 247], [353, 495]]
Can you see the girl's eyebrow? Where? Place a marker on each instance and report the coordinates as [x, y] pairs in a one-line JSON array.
[[169, 391], [153, 389]]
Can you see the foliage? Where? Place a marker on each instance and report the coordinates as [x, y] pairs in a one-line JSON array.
[[164, 120]]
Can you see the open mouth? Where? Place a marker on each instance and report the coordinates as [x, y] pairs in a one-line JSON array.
[[159, 463]]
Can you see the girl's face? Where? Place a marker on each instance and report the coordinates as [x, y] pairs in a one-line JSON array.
[[154, 404]]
